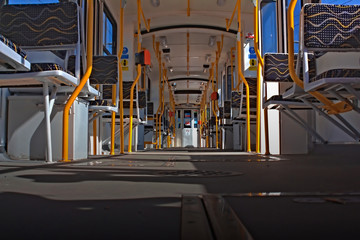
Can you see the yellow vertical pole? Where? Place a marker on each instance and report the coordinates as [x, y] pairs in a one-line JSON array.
[[333, 108], [160, 97], [112, 141], [162, 104], [84, 79], [94, 135], [121, 92], [232, 68], [214, 101], [137, 77], [240, 74], [188, 8], [260, 64]]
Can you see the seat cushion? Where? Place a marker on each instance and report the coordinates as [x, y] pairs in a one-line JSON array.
[[101, 103], [338, 73], [13, 46]]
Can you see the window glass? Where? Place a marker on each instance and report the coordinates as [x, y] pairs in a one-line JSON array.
[[341, 2], [109, 34], [228, 85], [269, 31], [195, 120], [296, 24], [31, 1], [178, 119], [187, 118]]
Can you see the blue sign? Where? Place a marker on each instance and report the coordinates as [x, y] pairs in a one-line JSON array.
[[125, 56], [125, 50], [252, 56], [252, 50]]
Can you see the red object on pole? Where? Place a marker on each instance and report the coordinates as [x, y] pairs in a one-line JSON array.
[[214, 96]]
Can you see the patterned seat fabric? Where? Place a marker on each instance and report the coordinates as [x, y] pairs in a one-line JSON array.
[[338, 73], [105, 70], [126, 90], [150, 108], [40, 24], [126, 104], [142, 99], [331, 26], [100, 103], [276, 67], [235, 99], [13, 46]]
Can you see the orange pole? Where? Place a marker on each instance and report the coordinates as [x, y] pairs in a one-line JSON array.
[[84, 79]]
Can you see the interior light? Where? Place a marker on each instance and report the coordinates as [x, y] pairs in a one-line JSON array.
[[155, 3], [212, 40], [167, 58], [163, 41], [207, 58], [123, 3], [171, 69], [220, 3]]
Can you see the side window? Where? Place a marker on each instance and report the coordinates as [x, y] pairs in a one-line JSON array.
[[109, 33], [195, 120], [341, 2], [269, 30], [296, 23], [187, 118], [31, 1]]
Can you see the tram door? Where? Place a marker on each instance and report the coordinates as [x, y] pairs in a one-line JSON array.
[[186, 128]]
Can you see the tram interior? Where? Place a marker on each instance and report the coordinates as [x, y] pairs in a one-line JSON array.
[[236, 106]]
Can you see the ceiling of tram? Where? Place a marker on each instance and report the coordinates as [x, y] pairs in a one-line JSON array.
[[172, 13]]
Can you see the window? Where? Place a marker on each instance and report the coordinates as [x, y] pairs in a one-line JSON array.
[[187, 118], [31, 1], [195, 120], [341, 2], [269, 31], [109, 33], [296, 23], [178, 119]]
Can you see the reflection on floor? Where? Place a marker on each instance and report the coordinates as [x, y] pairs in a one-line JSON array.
[[140, 195]]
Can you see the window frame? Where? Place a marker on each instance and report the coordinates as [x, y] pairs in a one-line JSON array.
[[106, 14]]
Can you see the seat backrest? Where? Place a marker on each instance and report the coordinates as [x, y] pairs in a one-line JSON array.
[[105, 70], [235, 99], [126, 89], [105, 73], [142, 99], [39, 25], [150, 108], [276, 67], [330, 27]]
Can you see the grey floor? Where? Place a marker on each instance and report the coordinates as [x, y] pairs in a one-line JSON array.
[[138, 196]]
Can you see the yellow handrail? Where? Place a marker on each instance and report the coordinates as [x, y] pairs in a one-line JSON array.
[[160, 97], [162, 104], [258, 75], [188, 8], [121, 92], [146, 22], [333, 108], [112, 137], [137, 77], [241, 76], [228, 23], [232, 68], [84, 79]]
